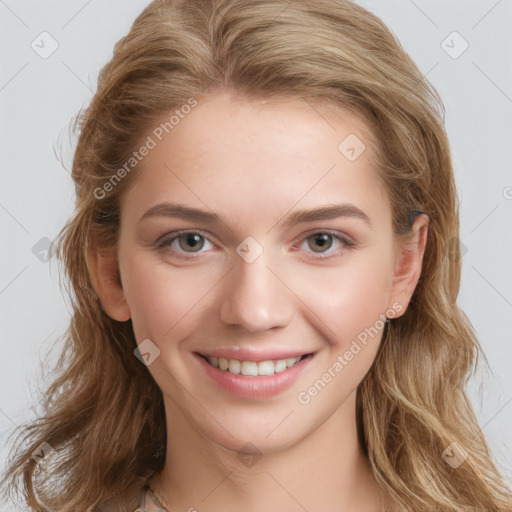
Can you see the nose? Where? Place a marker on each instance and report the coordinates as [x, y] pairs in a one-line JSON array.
[[255, 297]]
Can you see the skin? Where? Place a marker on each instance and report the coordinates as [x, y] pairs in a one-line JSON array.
[[253, 163]]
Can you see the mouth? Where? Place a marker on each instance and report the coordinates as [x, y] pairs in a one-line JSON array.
[[253, 368], [247, 378]]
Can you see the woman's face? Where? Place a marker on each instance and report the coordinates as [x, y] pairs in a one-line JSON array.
[[258, 232]]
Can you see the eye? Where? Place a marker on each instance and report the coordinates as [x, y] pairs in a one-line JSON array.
[[321, 243], [190, 242]]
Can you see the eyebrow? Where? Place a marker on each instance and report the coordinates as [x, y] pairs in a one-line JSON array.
[[333, 211], [326, 213]]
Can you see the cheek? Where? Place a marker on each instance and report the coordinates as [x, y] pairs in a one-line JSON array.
[[163, 299], [347, 299], [349, 311]]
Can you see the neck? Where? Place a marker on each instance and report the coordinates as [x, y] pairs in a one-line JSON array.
[[324, 471]]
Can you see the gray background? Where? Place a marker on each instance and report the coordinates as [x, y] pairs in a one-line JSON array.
[[39, 96]]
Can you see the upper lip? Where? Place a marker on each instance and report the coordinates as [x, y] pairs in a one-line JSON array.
[[257, 355]]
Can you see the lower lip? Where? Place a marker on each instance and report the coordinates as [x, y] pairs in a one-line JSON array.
[[249, 386]]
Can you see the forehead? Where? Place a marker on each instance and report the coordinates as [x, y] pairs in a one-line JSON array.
[[259, 153]]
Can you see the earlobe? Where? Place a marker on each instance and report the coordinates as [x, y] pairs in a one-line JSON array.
[[408, 263], [107, 283]]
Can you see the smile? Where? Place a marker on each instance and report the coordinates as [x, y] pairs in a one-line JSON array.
[[253, 368], [254, 379]]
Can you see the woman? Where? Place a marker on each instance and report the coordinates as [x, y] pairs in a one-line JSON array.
[[264, 316]]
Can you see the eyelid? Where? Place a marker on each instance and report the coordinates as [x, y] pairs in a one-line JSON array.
[[344, 239], [333, 232], [165, 241]]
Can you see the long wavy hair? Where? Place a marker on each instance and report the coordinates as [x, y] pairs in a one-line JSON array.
[[103, 413]]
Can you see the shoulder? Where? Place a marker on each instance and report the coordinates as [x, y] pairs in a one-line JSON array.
[[129, 503]]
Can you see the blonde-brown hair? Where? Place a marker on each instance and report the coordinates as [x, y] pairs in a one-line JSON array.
[[104, 413]]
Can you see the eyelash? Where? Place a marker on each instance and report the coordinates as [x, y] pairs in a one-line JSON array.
[[166, 241]]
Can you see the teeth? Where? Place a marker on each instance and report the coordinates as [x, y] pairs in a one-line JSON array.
[[247, 368], [253, 368], [280, 366], [234, 366], [266, 368]]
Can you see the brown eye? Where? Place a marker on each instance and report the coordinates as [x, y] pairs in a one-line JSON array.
[[320, 242], [191, 241], [324, 245], [184, 243]]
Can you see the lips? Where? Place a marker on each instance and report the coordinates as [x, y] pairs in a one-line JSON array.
[[256, 375]]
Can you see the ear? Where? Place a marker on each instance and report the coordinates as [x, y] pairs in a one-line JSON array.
[[409, 258], [106, 280]]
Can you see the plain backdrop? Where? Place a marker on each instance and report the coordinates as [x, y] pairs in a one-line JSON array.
[[51, 53]]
